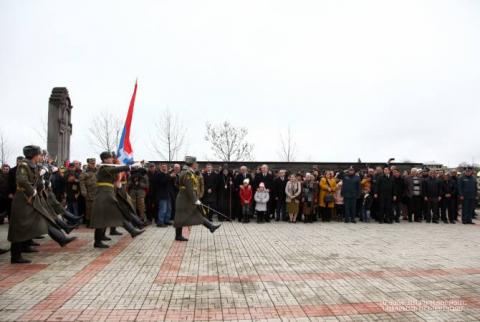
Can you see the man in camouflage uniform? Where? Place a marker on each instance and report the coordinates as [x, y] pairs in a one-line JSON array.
[[88, 186], [188, 205], [137, 185]]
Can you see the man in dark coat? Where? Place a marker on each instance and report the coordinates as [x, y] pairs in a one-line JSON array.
[[432, 192], [210, 181], [278, 193], [150, 203], [384, 194], [188, 205], [399, 190], [449, 192], [106, 211], [267, 179], [350, 193], [467, 190]]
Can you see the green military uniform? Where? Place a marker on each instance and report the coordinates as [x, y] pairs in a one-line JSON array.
[[137, 185], [187, 213], [105, 208], [88, 187], [28, 218]]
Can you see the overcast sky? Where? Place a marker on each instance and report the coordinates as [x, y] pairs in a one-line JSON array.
[[368, 79]]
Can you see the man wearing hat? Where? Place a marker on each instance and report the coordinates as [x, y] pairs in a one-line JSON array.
[[27, 220], [88, 186], [467, 190], [106, 211], [188, 211]]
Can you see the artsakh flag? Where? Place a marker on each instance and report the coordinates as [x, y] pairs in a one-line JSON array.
[[125, 151]]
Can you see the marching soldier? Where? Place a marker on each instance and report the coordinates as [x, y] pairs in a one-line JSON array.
[[106, 211], [88, 186], [29, 218], [137, 186], [188, 211]]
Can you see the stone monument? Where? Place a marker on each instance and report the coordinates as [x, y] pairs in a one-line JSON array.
[[59, 124]]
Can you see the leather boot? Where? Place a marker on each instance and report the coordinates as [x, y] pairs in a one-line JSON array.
[[71, 218], [134, 232], [59, 236], [207, 223], [99, 238], [178, 235], [65, 227], [115, 232], [27, 248], [16, 254]]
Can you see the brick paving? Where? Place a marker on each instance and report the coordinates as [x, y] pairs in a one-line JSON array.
[[244, 272]]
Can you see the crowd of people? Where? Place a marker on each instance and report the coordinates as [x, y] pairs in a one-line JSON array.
[[40, 197]]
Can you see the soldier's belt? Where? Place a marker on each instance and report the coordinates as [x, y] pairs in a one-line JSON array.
[[182, 187], [21, 189], [104, 184]]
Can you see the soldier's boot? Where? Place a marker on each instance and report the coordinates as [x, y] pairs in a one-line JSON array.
[[64, 226], [115, 232], [136, 221], [58, 236], [27, 247], [178, 235], [207, 223], [31, 242], [71, 218], [134, 232], [99, 238], [16, 254]]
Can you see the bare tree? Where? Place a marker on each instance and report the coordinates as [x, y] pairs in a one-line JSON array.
[[228, 142], [105, 131], [171, 136], [4, 149], [288, 147]]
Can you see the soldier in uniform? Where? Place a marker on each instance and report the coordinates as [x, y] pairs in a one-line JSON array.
[[88, 186], [188, 211], [106, 211], [137, 186], [29, 217]]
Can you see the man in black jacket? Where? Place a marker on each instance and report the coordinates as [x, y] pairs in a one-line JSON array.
[[210, 181], [162, 180], [399, 188], [350, 193], [278, 193], [432, 192], [384, 194], [267, 179], [449, 193]]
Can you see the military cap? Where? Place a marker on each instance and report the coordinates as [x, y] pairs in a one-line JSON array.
[[31, 151], [105, 155], [189, 160], [91, 160]]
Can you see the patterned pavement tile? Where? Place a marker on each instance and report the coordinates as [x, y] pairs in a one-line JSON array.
[[259, 272]]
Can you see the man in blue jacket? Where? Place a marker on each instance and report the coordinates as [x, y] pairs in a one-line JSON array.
[[467, 190], [350, 193]]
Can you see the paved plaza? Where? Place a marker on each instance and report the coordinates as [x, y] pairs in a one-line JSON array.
[[274, 272]]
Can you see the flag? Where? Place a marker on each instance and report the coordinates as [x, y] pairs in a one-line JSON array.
[[125, 151]]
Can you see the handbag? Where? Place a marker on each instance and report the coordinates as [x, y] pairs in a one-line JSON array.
[[329, 196]]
